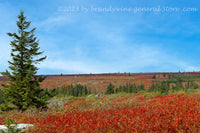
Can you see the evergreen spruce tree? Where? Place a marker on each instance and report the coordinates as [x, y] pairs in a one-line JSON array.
[[152, 88], [110, 89], [23, 89], [135, 89], [117, 90], [120, 88], [70, 90], [141, 87], [164, 88], [179, 84], [90, 91], [131, 88], [85, 90]]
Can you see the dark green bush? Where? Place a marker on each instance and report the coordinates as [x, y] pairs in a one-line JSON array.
[[110, 89]]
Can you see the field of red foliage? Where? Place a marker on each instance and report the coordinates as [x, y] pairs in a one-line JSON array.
[[99, 82], [119, 113]]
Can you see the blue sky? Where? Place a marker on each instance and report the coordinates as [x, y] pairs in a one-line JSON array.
[[105, 36]]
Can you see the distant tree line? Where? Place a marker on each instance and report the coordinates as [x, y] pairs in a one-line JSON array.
[[184, 78], [76, 90], [128, 88], [161, 87], [164, 87]]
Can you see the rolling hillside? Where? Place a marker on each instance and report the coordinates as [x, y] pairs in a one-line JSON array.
[[100, 81]]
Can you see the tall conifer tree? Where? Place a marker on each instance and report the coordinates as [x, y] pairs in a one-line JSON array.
[[23, 89]]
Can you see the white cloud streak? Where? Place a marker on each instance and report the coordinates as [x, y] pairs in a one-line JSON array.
[[116, 53], [69, 66], [55, 21]]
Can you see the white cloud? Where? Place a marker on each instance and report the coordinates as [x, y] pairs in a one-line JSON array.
[[191, 68], [142, 57], [54, 21], [117, 51], [187, 66], [114, 54], [69, 66]]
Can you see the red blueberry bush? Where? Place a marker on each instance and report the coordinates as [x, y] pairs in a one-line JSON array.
[[172, 113]]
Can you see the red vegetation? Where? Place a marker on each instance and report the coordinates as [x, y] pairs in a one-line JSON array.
[[101, 81], [173, 113]]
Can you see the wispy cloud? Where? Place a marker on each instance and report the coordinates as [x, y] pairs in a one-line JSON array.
[[187, 66], [97, 42], [69, 66], [55, 21], [114, 53], [134, 61]]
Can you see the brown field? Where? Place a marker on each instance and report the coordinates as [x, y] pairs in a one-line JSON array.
[[100, 81]]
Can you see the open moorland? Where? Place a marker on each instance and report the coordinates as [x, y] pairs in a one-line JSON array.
[[114, 113], [101, 81], [168, 102]]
